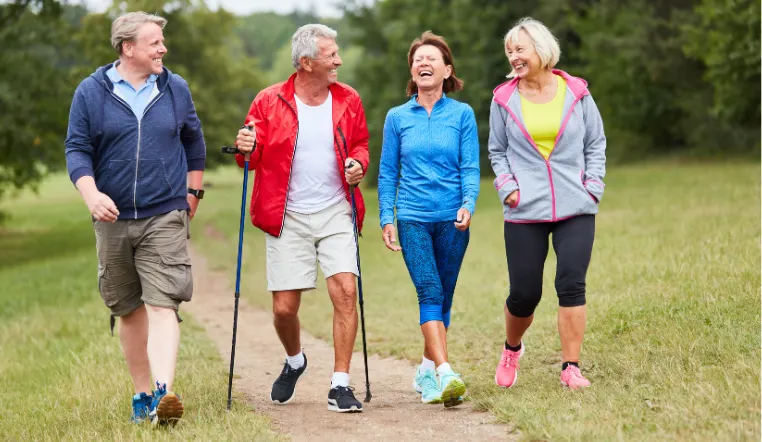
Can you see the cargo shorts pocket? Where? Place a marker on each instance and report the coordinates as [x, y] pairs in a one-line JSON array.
[[106, 287], [177, 280]]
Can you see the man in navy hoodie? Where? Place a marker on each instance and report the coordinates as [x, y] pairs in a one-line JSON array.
[[136, 153]]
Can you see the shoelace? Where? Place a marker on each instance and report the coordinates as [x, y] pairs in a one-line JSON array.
[[428, 381], [161, 389], [511, 358], [575, 374], [345, 391], [287, 372]]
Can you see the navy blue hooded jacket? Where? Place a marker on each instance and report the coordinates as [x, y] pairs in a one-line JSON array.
[[142, 165]]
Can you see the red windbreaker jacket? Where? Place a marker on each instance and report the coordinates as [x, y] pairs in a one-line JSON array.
[[276, 125]]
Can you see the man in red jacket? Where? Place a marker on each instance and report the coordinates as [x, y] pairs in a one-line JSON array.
[[311, 151]]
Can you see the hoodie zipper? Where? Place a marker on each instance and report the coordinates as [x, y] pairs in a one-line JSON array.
[[291, 166], [547, 160], [137, 154]]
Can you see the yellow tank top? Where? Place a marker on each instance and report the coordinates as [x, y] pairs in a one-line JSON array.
[[543, 121]]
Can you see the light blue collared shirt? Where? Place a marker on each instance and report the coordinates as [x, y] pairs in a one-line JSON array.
[[136, 99]]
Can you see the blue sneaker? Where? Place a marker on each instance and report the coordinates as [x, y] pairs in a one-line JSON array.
[[167, 408], [141, 407], [430, 393], [453, 389]]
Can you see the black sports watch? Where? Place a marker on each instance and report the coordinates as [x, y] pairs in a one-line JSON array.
[[198, 193]]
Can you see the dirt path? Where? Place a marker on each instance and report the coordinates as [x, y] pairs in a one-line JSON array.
[[395, 413]]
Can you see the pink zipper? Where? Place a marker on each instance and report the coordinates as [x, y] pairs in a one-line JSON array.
[[547, 161]]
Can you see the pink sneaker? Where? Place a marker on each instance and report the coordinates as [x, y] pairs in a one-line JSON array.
[[572, 378], [508, 368]]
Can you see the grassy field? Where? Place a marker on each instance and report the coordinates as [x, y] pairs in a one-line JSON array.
[[673, 338], [63, 374]]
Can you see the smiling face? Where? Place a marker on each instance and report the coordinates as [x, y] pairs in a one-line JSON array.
[[523, 56], [428, 69], [147, 50], [325, 66]]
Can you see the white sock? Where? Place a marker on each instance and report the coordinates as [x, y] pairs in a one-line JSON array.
[[339, 379], [444, 369], [297, 361], [427, 364]]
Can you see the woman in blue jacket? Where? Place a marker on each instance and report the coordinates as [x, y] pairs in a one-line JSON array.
[[429, 172]]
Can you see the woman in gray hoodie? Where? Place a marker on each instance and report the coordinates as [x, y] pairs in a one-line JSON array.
[[547, 148]]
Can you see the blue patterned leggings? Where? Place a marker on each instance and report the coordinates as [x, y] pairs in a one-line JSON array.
[[433, 253]]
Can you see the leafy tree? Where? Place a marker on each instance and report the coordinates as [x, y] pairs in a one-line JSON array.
[[34, 85], [725, 36]]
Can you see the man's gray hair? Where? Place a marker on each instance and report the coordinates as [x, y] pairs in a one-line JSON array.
[[304, 43], [126, 27]]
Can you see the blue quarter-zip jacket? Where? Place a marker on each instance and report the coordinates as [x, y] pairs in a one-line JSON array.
[[429, 163], [141, 164]]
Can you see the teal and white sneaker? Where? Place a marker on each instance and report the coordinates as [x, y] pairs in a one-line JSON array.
[[417, 380], [453, 389], [430, 393]]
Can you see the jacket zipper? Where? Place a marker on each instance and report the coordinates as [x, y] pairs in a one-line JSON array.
[[291, 166], [547, 163], [547, 160], [346, 155], [137, 153]]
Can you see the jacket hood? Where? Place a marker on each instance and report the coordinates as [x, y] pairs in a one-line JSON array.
[[100, 76], [577, 85]]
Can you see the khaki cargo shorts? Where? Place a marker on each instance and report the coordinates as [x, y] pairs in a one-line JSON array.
[[144, 261], [325, 237]]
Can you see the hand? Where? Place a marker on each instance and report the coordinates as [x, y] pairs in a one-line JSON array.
[[512, 200], [463, 220], [193, 203], [101, 207], [390, 239], [353, 171], [245, 139]]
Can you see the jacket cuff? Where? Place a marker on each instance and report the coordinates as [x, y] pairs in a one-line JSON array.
[[505, 184], [78, 173], [595, 189], [470, 206], [196, 164], [386, 219]]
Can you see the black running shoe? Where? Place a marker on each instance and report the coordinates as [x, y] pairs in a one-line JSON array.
[[283, 388], [342, 400]]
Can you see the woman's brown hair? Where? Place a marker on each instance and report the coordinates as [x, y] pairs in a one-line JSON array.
[[450, 84]]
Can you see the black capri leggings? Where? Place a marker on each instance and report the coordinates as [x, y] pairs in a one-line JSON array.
[[526, 247]]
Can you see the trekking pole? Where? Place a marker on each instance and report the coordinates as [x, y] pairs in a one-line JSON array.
[[359, 287], [247, 157]]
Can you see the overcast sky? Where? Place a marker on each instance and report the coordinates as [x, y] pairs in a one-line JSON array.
[[324, 8]]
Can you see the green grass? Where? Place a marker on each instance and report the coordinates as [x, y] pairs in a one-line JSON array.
[[63, 374], [673, 338]]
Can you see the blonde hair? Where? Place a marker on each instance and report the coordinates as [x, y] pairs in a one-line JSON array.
[[126, 27], [543, 40]]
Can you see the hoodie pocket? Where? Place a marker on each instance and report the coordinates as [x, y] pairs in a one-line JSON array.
[[534, 202], [117, 182], [572, 198], [154, 186]]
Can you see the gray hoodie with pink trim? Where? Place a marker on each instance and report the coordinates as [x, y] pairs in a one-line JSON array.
[[570, 181]]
